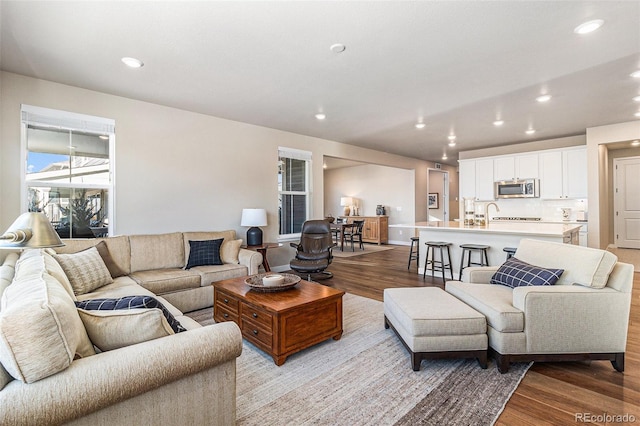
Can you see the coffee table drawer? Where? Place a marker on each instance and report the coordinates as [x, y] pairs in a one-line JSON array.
[[256, 334], [226, 300], [256, 315], [223, 313]]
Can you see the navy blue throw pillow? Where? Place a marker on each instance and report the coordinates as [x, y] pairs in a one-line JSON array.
[[131, 302], [517, 273], [203, 253]]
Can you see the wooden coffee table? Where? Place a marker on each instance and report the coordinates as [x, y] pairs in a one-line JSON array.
[[280, 323]]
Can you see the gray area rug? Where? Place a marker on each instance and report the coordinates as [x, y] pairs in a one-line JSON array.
[[366, 379]]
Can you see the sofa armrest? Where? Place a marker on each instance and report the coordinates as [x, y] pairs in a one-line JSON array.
[[251, 259], [478, 274], [101, 380], [573, 319]]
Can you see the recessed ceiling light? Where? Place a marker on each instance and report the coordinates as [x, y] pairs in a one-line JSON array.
[[635, 143], [637, 99], [530, 131], [588, 27], [452, 143], [498, 123], [321, 116], [637, 114], [337, 48], [420, 125], [635, 74], [451, 137], [132, 62], [543, 98]]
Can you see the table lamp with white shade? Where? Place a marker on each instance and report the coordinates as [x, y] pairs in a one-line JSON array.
[[30, 230], [346, 202], [254, 218]]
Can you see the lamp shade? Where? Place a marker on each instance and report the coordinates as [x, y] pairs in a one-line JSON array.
[[254, 217], [30, 230], [346, 201]]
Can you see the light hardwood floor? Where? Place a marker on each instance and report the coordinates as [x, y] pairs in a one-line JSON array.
[[550, 393]]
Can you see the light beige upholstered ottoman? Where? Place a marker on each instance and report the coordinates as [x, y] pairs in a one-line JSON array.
[[431, 324]]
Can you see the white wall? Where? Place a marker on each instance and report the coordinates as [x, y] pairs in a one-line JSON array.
[[372, 185], [599, 184], [178, 170]]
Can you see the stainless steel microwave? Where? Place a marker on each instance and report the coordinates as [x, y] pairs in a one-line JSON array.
[[522, 188]]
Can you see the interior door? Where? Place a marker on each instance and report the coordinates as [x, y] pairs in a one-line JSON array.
[[626, 202]]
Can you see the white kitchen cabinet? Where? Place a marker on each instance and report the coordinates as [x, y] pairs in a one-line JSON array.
[[551, 175], [515, 167], [476, 179], [584, 236], [467, 170], [563, 173], [484, 179], [574, 163]]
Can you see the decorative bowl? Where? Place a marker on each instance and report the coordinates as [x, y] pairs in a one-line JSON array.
[[256, 282]]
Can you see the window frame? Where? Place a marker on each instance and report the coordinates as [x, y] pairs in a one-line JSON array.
[[306, 156], [64, 120]]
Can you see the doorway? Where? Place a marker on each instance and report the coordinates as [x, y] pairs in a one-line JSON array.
[[438, 195], [626, 202]]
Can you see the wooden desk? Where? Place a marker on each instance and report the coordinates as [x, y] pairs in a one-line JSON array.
[[262, 249], [284, 322]]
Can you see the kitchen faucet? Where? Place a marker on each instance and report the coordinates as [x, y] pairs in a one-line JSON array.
[[486, 210]]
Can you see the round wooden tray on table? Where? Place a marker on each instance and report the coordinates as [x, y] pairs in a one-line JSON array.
[[255, 282]]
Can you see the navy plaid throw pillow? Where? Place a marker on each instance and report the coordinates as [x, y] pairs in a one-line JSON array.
[[517, 273], [205, 252], [131, 302]]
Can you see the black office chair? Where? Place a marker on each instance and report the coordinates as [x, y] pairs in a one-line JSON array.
[[355, 234], [313, 252]]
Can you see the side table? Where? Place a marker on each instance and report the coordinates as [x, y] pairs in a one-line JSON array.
[[262, 249]]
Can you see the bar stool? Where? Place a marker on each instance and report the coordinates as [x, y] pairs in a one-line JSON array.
[[437, 265], [510, 251], [414, 255], [468, 249]]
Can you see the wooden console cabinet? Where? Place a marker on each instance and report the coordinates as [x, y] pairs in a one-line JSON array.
[[375, 230]]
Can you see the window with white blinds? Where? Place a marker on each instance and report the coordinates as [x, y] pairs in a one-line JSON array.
[[294, 190], [68, 171]]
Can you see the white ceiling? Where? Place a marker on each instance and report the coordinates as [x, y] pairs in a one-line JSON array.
[[456, 65]]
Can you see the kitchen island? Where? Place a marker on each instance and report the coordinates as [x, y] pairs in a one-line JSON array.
[[497, 235]]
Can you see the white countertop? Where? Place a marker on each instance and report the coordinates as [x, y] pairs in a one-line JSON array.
[[519, 228]]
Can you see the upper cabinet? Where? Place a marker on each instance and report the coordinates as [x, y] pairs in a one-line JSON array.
[[516, 167], [563, 173], [476, 179]]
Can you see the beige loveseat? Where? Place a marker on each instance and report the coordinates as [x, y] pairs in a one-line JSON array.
[[61, 364], [585, 315]]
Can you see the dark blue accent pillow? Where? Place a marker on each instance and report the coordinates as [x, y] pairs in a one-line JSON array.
[[131, 302], [203, 253], [517, 273]]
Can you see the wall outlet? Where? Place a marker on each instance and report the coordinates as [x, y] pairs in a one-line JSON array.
[[400, 231], [399, 208]]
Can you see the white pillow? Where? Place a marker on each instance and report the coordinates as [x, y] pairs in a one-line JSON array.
[[230, 250], [86, 270], [40, 330], [119, 328]]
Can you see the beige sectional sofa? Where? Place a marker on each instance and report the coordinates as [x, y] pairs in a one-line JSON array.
[[61, 364], [585, 315]]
